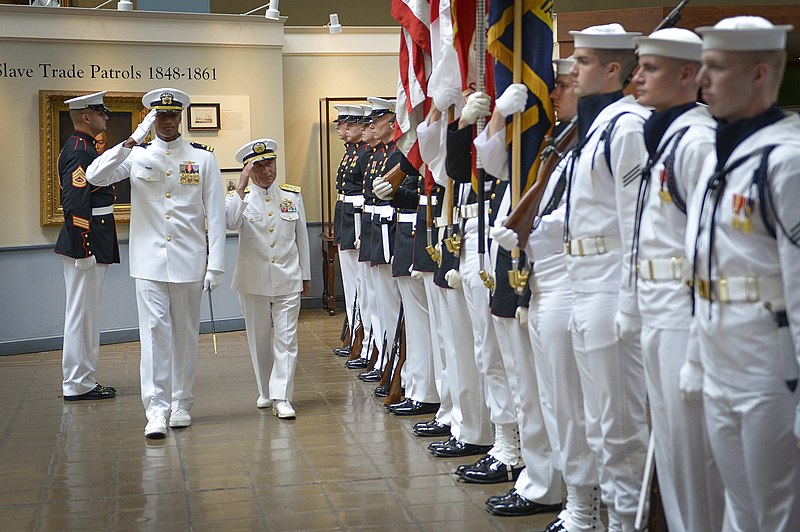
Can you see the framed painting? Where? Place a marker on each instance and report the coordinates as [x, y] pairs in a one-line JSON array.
[[203, 117]]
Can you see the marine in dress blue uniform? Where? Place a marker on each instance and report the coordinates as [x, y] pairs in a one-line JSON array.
[[88, 244]]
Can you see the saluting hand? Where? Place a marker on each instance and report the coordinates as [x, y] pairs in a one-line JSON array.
[[244, 179]]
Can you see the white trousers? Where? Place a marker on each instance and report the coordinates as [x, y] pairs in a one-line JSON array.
[[348, 264], [169, 325], [465, 381], [387, 300], [437, 308], [271, 324], [751, 438], [486, 348], [612, 379], [688, 481], [560, 385], [421, 384], [81, 349], [367, 303], [540, 481]]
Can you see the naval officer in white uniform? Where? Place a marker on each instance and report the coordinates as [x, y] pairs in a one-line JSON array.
[[176, 192], [273, 268]]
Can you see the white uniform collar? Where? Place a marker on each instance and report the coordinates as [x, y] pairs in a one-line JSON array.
[[167, 145]]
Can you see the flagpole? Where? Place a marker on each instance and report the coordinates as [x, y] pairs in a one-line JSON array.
[[480, 49], [516, 124]]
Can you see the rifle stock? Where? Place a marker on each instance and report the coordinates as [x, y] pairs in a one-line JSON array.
[[395, 383], [395, 177], [520, 220]]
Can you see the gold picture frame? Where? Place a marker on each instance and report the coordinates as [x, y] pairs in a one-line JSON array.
[[55, 127]]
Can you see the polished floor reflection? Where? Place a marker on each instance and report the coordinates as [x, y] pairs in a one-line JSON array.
[[343, 464]]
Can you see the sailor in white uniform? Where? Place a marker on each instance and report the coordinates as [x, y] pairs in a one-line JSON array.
[[742, 235], [176, 193], [273, 268]]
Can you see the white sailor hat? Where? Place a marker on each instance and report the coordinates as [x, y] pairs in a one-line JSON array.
[[381, 106], [257, 150], [89, 101], [744, 34], [605, 37], [166, 100], [675, 43], [344, 111], [563, 66]]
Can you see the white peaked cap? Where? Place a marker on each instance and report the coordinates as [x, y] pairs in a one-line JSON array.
[[563, 66], [88, 101], [605, 37], [257, 150], [744, 34], [381, 106], [675, 43]]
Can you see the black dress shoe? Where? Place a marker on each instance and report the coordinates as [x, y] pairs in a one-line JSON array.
[[514, 504], [381, 391], [342, 351], [410, 407], [431, 428], [436, 444], [491, 471], [106, 388], [371, 376], [458, 449], [496, 498], [95, 394], [556, 525], [478, 463], [358, 363]]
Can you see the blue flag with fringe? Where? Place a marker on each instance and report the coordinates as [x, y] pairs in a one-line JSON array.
[[537, 72]]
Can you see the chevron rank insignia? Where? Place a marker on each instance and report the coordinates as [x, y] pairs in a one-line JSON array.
[[82, 223], [79, 178]]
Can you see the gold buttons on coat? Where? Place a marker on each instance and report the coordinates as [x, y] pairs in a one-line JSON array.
[[272, 260], [269, 213], [168, 152], [168, 216], [169, 238], [169, 195], [271, 229], [272, 244], [169, 173]]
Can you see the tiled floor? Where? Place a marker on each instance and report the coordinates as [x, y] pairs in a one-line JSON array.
[[343, 464]]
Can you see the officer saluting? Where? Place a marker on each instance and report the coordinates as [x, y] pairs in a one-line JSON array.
[[272, 269], [88, 244], [742, 232], [176, 191]]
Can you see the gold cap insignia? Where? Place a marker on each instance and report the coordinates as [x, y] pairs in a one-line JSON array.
[[166, 98], [259, 147]]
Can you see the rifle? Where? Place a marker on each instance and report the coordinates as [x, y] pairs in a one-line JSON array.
[[388, 370], [395, 394], [520, 220], [395, 177], [345, 334]]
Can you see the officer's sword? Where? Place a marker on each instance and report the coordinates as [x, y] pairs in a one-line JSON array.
[[213, 327]]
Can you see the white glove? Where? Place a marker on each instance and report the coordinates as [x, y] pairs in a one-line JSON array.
[[453, 278], [797, 426], [506, 238], [512, 100], [212, 280], [446, 98], [690, 381], [477, 105], [144, 128], [416, 275], [357, 243], [522, 316], [626, 326], [86, 263], [382, 189]]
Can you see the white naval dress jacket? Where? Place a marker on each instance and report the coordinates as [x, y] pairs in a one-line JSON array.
[[176, 191], [273, 255], [603, 202], [666, 304], [746, 347]]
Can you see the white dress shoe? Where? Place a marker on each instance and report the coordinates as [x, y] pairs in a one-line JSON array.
[[180, 418], [283, 409], [263, 403], [156, 428]]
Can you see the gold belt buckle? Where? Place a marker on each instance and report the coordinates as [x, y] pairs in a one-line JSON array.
[[651, 268], [704, 289], [723, 291]]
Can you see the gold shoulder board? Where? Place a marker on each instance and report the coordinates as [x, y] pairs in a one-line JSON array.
[[202, 146], [290, 188]]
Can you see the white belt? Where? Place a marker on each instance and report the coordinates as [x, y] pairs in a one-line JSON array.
[[406, 217], [592, 245], [671, 269], [357, 200], [340, 197], [369, 209], [471, 210], [423, 200], [440, 221], [100, 211], [384, 211], [745, 289]]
